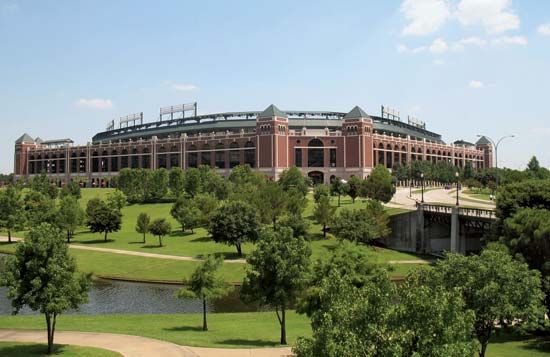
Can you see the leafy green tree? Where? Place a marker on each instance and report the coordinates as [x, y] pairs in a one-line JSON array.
[[379, 185], [39, 209], [43, 276], [129, 182], [42, 184], [495, 287], [271, 202], [186, 213], [158, 186], [102, 218], [362, 225], [192, 181], [176, 181], [353, 187], [160, 227], [401, 172], [295, 222], [116, 200], [142, 224], [468, 172], [243, 175], [528, 194], [277, 272], [324, 213], [207, 204], [69, 215], [205, 283], [213, 183], [337, 188], [72, 188], [12, 213], [319, 191], [234, 223], [295, 202], [292, 178], [527, 234]]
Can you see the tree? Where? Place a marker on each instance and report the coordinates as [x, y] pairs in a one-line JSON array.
[[243, 175], [176, 181], [378, 318], [353, 187], [293, 178], [72, 188], [271, 202], [42, 184], [319, 191], [529, 193], [295, 202], [129, 182], [69, 215], [142, 224], [192, 181], [324, 213], [234, 223], [277, 272], [362, 225], [39, 209], [158, 187], [207, 204], [186, 213], [116, 200], [468, 172], [337, 188], [205, 284], [160, 227], [295, 222], [213, 183], [495, 287], [379, 185], [102, 218], [43, 276], [12, 213]]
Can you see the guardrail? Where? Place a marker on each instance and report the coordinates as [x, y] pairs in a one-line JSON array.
[[462, 211]]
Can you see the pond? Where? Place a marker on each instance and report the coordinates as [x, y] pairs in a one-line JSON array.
[[120, 297]]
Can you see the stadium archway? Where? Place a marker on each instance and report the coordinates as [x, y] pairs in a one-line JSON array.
[[317, 177]]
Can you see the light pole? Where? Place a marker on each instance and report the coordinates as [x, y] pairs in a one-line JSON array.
[[456, 175], [422, 177], [496, 151]]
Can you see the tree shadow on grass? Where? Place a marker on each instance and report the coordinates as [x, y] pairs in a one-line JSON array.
[[316, 236], [137, 242], [202, 239], [30, 349], [180, 233], [93, 241], [183, 328], [532, 343], [152, 246], [254, 343], [226, 255], [7, 243]]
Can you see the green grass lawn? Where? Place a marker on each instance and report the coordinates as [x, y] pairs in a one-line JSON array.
[[25, 349], [234, 330], [480, 194]]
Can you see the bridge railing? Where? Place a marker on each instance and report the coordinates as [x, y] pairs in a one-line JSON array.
[[462, 211]]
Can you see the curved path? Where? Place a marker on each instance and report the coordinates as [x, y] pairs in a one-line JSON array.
[[438, 195], [136, 346]]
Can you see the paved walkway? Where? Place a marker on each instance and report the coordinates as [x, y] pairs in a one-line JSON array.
[[440, 195], [136, 346]]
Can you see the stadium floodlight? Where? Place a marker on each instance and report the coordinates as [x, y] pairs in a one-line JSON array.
[[133, 118], [175, 109], [111, 125], [416, 122], [390, 113]]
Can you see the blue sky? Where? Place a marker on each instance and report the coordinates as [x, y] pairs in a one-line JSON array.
[[463, 66]]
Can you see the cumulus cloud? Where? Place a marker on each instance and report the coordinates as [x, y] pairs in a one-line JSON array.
[[509, 41], [496, 16], [424, 16], [183, 87], [439, 46], [544, 29], [404, 49], [96, 103], [476, 84]]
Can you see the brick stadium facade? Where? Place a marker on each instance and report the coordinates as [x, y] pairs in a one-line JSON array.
[[321, 144]]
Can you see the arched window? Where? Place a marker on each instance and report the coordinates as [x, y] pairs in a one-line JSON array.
[[31, 165], [161, 157], [145, 158], [114, 161], [124, 159], [95, 162], [220, 156], [174, 156], [192, 156], [104, 161], [206, 155], [82, 162], [250, 154], [315, 153], [234, 154]]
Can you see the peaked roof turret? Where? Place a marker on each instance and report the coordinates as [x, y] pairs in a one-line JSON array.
[[38, 140], [355, 113], [24, 138], [483, 141], [272, 111]]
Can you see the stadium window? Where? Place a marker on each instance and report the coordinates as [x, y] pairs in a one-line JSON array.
[[298, 157], [332, 157]]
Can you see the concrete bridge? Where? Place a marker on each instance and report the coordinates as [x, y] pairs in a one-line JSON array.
[[437, 228]]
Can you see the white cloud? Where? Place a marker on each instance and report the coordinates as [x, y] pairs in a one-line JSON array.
[[401, 48], [476, 84], [439, 46], [10, 7], [544, 29], [424, 16], [438, 62], [461, 44], [509, 41], [183, 87], [496, 16], [404, 49], [96, 103]]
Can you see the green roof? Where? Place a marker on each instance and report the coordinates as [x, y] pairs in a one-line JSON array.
[[272, 111], [356, 113], [24, 138], [483, 141]]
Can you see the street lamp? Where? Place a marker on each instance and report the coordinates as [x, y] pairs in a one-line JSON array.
[[495, 145], [422, 177], [456, 175]]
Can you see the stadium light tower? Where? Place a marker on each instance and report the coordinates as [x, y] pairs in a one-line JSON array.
[[496, 151]]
